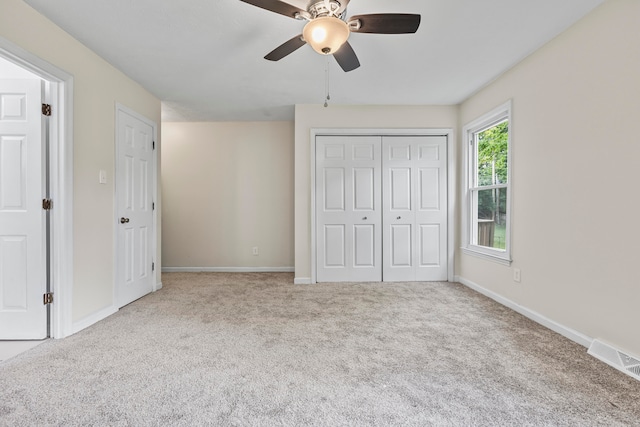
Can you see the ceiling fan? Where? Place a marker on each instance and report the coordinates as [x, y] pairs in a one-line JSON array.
[[328, 28]]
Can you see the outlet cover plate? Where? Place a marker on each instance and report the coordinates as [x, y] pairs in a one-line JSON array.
[[516, 275]]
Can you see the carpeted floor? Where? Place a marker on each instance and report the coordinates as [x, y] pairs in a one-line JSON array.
[[256, 350]]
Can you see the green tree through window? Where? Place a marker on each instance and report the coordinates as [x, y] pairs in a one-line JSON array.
[[492, 155], [492, 169]]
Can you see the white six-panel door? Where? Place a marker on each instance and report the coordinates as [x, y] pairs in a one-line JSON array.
[[134, 192], [22, 219], [381, 208], [348, 203], [414, 208]]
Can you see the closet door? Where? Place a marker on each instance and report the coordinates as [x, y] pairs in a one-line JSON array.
[[348, 209], [414, 208]]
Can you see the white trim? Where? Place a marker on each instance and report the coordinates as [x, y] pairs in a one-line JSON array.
[[227, 269], [154, 172], [302, 281], [494, 116], [312, 158], [158, 286], [478, 252], [93, 318], [61, 180], [452, 199], [451, 175], [565, 331]]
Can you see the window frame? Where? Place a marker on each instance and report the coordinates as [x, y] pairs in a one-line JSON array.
[[494, 117]]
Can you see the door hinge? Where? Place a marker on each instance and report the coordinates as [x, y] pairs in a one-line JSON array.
[[153, 266], [46, 109], [47, 204], [47, 298], [153, 206], [153, 145]]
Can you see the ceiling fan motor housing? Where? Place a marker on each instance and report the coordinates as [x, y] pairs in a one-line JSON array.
[[326, 8]]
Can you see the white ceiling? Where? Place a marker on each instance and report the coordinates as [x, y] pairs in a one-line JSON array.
[[204, 58]]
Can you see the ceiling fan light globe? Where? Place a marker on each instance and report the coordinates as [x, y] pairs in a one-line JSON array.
[[319, 35], [326, 34]]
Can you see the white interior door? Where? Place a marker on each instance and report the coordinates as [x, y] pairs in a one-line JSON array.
[[134, 194], [22, 220], [398, 210], [414, 208], [348, 209], [430, 175]]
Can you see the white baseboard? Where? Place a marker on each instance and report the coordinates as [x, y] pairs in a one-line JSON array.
[[302, 281], [569, 333], [158, 286], [91, 319], [228, 269]]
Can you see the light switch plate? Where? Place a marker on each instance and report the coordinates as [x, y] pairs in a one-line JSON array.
[[103, 177]]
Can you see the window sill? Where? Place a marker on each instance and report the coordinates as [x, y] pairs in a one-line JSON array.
[[501, 258]]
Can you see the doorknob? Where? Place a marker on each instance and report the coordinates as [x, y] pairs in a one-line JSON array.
[[124, 220], [398, 218], [364, 219]]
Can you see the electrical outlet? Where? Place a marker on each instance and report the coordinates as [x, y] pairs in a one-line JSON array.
[[516, 275], [255, 251]]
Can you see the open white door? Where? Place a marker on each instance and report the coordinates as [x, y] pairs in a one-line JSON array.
[[23, 278], [134, 195]]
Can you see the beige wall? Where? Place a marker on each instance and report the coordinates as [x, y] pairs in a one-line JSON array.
[[97, 88], [227, 187], [576, 109], [310, 117]]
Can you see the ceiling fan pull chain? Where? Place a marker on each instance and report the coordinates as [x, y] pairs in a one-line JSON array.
[[328, 79], [327, 83]]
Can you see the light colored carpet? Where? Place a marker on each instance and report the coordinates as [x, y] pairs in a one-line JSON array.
[[256, 350], [9, 349]]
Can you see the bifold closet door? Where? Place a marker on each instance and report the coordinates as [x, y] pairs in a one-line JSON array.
[[414, 208], [348, 209]]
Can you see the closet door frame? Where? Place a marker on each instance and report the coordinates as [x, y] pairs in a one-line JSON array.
[[451, 180]]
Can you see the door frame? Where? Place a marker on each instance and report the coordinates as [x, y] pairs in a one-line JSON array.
[[60, 97], [154, 188], [451, 179]]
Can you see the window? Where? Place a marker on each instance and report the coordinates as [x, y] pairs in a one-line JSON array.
[[487, 212]]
